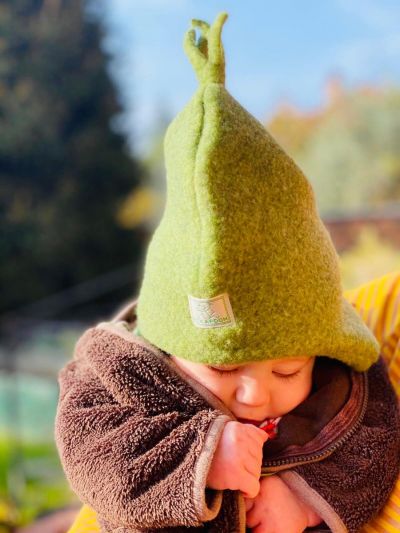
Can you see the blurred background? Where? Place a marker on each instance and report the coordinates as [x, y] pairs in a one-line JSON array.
[[87, 89]]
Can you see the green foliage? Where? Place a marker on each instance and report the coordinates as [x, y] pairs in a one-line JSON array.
[[31, 476], [349, 149], [370, 258], [63, 171], [44, 487], [145, 205]]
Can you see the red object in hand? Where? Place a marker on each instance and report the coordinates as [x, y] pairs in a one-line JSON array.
[[270, 426]]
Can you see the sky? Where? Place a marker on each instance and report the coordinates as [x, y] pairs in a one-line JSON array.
[[276, 52]]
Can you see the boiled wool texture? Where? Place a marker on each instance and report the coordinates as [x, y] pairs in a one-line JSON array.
[[241, 219]]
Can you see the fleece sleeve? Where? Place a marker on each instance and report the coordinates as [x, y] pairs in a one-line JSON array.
[[352, 484], [135, 441]]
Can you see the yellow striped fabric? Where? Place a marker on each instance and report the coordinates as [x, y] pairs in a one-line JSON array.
[[378, 303], [85, 522]]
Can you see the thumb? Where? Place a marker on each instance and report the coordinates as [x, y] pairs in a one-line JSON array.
[[250, 488], [264, 435]]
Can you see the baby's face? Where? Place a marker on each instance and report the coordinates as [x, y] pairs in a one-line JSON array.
[[258, 390]]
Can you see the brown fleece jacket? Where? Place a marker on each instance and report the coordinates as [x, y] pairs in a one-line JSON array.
[[136, 437]]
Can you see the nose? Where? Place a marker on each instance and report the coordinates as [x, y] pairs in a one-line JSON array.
[[252, 391]]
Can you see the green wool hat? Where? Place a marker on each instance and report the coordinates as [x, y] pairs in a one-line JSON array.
[[241, 267]]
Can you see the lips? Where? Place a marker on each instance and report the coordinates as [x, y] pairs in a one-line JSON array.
[[249, 421]]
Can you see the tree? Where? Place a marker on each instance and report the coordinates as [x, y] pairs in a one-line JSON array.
[[63, 172], [349, 148]]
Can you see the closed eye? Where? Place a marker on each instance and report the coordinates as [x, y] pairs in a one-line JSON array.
[[286, 376], [222, 372]]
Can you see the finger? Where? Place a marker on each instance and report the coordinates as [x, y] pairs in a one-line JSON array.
[[252, 467], [253, 447], [256, 520], [262, 435], [249, 504], [253, 518], [250, 486], [256, 450], [256, 433], [261, 528], [254, 458]]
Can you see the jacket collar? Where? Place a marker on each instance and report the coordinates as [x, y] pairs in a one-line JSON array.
[[326, 419]]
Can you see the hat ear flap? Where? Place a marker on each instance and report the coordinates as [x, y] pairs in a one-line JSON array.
[[207, 54]]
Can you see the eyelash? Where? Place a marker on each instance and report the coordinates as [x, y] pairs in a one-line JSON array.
[[286, 376], [223, 372], [229, 372]]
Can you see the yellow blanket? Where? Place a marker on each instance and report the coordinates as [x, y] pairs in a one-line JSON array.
[[378, 303]]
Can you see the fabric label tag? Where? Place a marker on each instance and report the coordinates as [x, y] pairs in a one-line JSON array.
[[211, 312]]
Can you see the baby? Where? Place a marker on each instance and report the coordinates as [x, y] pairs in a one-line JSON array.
[[241, 370], [255, 392], [155, 442]]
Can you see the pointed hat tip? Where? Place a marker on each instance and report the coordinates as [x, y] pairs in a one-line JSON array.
[[207, 54], [218, 22]]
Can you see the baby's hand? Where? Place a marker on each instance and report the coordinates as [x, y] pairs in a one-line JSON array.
[[277, 510], [237, 461]]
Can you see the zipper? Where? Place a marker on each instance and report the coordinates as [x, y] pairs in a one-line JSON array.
[[282, 464]]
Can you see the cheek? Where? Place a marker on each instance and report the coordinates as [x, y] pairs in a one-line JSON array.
[[293, 394], [221, 387], [304, 390]]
